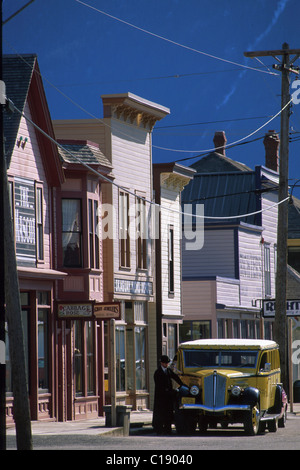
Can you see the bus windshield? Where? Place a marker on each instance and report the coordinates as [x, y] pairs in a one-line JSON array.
[[219, 358]]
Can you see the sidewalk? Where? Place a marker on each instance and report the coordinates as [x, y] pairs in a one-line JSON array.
[[98, 426], [90, 426]]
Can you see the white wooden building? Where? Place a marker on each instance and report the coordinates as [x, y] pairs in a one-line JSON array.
[[225, 281], [124, 137]]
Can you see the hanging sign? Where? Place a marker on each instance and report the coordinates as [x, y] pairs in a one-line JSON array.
[[292, 308], [107, 311], [74, 310]]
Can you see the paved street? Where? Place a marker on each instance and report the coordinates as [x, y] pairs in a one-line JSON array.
[[70, 436]]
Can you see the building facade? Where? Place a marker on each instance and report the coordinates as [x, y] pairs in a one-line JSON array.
[[80, 332], [225, 281], [34, 174], [124, 137]]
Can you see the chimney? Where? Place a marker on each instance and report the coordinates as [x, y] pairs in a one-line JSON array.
[[271, 143], [220, 142]]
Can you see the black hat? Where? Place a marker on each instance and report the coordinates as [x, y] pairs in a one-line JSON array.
[[165, 359]]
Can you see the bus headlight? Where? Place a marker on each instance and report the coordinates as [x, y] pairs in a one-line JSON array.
[[194, 390], [236, 391]]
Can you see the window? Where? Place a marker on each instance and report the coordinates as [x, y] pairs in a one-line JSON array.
[[140, 358], [94, 245], [43, 356], [84, 356], [39, 222], [136, 317], [141, 233], [235, 328], [191, 330], [78, 358], [43, 300], [120, 358], [71, 233], [90, 358], [267, 270], [11, 192], [171, 260], [124, 238], [172, 339]]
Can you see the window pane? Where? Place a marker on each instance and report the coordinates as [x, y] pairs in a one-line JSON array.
[[90, 358], [171, 260], [43, 358], [172, 340], [96, 234], [78, 358], [91, 233], [120, 358], [140, 359], [71, 232], [130, 363]]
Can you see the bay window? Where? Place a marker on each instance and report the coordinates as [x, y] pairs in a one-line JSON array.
[[71, 233]]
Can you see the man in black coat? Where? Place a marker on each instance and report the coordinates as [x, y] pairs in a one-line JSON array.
[[164, 397]]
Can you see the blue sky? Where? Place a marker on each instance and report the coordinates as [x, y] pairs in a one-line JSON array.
[[85, 53]]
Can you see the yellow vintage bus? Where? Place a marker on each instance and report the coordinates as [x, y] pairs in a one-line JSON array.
[[229, 381]]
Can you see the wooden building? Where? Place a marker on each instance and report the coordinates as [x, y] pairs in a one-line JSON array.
[[80, 334], [34, 174], [124, 137], [225, 281]]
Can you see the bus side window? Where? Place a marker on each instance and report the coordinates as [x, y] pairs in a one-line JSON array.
[[263, 361]]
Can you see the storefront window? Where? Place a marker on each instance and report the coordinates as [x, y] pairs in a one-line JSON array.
[[78, 359], [120, 358], [140, 358], [43, 357], [192, 330], [90, 358], [172, 339]]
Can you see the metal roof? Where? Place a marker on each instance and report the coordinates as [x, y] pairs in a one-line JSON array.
[[224, 195]]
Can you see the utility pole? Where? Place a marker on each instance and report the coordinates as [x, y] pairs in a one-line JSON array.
[[280, 328], [2, 266]]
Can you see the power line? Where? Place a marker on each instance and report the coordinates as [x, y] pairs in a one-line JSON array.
[[131, 192], [171, 41], [160, 77], [136, 140], [157, 128]]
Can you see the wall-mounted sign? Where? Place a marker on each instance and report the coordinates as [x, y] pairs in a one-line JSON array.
[[107, 311], [125, 286], [25, 220], [292, 308], [74, 310]]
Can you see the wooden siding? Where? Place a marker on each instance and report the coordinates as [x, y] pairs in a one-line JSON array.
[[199, 300], [228, 291], [132, 168], [27, 163], [250, 266], [216, 258], [80, 129], [269, 222], [171, 200]]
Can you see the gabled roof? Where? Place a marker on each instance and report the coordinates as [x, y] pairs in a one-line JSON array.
[[82, 151], [17, 74], [215, 162], [24, 84]]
